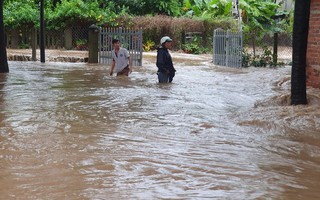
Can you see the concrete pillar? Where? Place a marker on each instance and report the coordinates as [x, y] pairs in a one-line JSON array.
[[93, 44], [34, 44], [68, 38]]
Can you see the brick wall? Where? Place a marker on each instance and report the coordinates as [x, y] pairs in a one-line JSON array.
[[313, 51]]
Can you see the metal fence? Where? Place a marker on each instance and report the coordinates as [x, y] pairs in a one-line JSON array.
[[130, 39], [76, 38], [72, 38], [227, 48], [284, 46]]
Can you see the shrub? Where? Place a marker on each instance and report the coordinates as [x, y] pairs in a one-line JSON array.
[[155, 27], [148, 46], [265, 59]]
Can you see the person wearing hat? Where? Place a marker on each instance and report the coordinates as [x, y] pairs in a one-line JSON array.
[[121, 60], [166, 71]]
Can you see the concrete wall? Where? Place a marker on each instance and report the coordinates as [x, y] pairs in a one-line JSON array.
[[313, 51]]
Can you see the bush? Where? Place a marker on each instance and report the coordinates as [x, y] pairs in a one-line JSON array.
[[263, 60], [148, 46], [194, 46], [155, 27]]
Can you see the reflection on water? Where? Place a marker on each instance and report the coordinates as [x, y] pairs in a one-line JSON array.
[[70, 131]]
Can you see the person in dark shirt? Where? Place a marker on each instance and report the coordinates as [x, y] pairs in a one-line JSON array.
[[166, 71]]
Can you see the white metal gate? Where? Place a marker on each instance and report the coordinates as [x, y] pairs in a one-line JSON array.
[[227, 48], [130, 39]]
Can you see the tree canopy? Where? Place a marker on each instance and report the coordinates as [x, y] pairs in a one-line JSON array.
[[59, 13]]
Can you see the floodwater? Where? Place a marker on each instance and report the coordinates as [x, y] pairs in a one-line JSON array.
[[70, 131]]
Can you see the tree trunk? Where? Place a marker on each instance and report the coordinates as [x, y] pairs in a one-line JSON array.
[[299, 55], [3, 51]]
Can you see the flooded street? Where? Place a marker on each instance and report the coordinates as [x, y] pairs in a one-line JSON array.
[[70, 131]]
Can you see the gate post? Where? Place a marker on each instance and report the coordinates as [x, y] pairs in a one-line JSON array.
[[93, 44], [34, 43]]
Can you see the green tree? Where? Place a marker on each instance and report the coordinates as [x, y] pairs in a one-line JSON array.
[[20, 13], [208, 8], [257, 15], [68, 12], [148, 7], [3, 52], [59, 13], [299, 45], [167, 7], [258, 18]]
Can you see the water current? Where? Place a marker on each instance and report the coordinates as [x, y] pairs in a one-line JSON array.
[[70, 131]]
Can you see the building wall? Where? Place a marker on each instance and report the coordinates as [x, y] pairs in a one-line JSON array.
[[313, 51], [286, 4]]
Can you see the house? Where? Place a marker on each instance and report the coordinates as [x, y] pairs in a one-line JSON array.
[[313, 50]]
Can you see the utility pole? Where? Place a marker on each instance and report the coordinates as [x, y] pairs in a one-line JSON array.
[[275, 44], [236, 12], [42, 40]]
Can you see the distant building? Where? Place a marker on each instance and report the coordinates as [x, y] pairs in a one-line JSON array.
[[286, 4]]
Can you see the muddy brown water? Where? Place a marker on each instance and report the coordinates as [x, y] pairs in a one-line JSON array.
[[70, 131]]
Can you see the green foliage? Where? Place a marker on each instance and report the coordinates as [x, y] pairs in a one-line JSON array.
[[169, 7], [156, 27], [81, 44], [208, 8], [246, 58], [70, 11], [23, 45], [148, 45], [263, 60], [194, 46], [258, 16], [59, 14], [203, 16], [151, 7], [259, 19], [20, 14]]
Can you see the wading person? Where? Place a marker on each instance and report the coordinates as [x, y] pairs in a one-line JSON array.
[[164, 63], [121, 60]]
